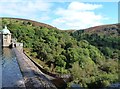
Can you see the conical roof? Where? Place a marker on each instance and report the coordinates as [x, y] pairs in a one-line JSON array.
[[5, 31]]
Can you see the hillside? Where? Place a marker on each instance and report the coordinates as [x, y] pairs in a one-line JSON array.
[[105, 37], [104, 29], [26, 21], [91, 58]]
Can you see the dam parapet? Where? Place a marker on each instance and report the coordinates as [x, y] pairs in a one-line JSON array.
[[34, 78], [17, 45]]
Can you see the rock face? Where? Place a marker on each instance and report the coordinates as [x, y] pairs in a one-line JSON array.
[[33, 77]]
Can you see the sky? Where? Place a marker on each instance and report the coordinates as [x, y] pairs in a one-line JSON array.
[[63, 14]]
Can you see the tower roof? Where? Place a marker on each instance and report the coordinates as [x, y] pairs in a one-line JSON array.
[[5, 31]]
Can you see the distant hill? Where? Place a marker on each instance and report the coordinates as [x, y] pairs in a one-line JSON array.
[[104, 29], [34, 23], [107, 30]]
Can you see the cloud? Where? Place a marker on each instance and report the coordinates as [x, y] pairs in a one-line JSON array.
[[77, 16], [82, 6], [24, 9]]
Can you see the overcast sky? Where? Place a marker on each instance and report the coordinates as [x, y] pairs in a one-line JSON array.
[[63, 14]]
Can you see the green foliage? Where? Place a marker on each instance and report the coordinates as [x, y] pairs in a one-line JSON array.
[[88, 57], [106, 44]]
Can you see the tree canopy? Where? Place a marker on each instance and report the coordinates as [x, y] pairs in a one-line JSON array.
[[91, 58]]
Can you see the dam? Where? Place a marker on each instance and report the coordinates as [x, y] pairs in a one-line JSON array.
[[18, 71], [10, 74]]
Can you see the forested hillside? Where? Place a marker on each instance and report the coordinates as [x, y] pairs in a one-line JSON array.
[[91, 57], [106, 38]]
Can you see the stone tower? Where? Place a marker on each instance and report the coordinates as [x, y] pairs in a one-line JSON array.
[[6, 37]]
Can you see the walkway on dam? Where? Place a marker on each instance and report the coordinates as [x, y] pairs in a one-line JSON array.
[[11, 76], [33, 77]]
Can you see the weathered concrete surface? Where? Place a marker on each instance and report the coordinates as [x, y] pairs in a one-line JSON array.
[[33, 77]]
